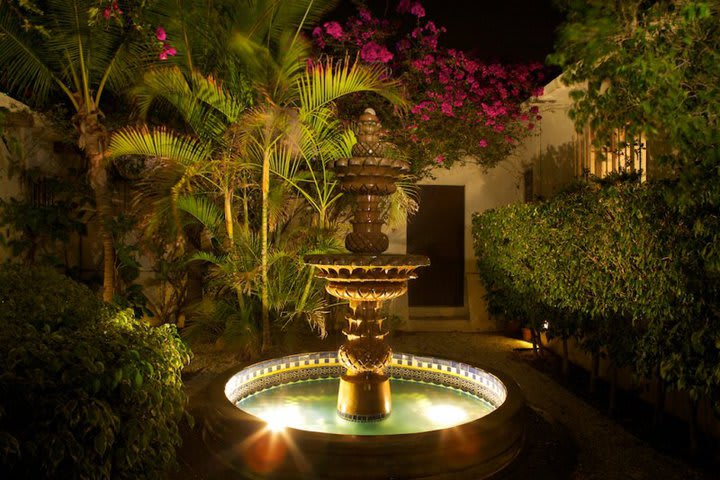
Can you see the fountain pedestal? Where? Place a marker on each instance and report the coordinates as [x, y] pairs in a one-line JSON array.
[[366, 278]]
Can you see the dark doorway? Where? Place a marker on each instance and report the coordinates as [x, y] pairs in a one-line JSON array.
[[438, 231]]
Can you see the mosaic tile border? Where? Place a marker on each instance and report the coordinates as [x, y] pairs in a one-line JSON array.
[[309, 366]]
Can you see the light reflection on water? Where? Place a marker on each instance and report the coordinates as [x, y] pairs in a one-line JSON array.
[[416, 407]]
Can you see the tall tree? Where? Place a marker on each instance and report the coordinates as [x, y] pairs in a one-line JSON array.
[[73, 50]]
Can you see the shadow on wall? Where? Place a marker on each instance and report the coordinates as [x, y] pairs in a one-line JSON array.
[[553, 168]]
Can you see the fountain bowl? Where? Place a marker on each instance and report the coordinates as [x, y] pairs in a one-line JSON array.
[[251, 447]]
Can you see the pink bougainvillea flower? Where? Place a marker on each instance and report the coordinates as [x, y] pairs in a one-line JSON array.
[[531, 126], [107, 13], [317, 34], [483, 143], [167, 51], [509, 139], [365, 14], [372, 52], [440, 159], [334, 30], [403, 6], [160, 34], [403, 44], [417, 10]]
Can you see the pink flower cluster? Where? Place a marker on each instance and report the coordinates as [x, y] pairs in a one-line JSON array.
[[167, 49], [361, 33], [112, 11], [413, 8], [372, 52], [483, 103]]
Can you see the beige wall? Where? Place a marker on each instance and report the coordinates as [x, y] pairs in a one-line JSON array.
[[483, 190], [34, 143], [553, 153]]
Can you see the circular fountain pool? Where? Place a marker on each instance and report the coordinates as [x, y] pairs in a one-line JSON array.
[[278, 419], [312, 405]]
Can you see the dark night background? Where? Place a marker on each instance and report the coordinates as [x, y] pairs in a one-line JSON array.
[[510, 31]]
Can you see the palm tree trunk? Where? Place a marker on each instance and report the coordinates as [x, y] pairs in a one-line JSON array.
[[229, 215], [264, 254], [93, 140], [306, 290], [246, 213], [103, 204]]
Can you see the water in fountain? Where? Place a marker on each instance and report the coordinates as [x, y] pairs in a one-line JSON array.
[[417, 407]]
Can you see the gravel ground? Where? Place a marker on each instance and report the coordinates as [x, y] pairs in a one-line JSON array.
[[602, 450]]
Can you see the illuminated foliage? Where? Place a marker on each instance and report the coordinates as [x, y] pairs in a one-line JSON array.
[[615, 266], [460, 106], [86, 392]]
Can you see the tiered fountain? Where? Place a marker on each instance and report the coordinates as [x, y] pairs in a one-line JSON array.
[[367, 279], [331, 414]]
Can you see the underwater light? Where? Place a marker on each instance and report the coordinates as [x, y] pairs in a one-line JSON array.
[[446, 415], [279, 418]]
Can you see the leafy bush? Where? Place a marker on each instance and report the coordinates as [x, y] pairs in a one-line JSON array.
[[86, 391], [614, 265]]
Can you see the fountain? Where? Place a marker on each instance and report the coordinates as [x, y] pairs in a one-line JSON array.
[[367, 279], [332, 414]]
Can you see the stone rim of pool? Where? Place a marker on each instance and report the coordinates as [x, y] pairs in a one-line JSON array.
[[475, 449]]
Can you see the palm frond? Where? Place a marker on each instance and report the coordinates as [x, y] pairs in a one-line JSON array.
[[291, 15], [327, 81], [211, 92], [159, 143], [289, 61], [204, 211], [209, 257], [404, 202], [22, 60], [162, 82]]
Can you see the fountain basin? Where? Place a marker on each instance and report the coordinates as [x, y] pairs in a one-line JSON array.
[[472, 445]]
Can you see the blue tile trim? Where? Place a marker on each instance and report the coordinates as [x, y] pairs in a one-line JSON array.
[[309, 366]]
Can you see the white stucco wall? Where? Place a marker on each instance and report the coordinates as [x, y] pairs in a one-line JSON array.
[[483, 190], [552, 153]]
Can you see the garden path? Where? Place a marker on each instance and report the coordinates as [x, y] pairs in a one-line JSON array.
[[604, 449]]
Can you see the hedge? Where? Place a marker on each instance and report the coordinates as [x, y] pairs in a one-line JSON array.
[[85, 391], [615, 266]]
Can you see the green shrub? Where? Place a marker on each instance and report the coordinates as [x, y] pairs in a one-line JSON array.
[[85, 391], [615, 265]]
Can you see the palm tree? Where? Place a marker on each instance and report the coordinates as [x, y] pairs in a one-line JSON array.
[[294, 142], [64, 47], [291, 133]]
